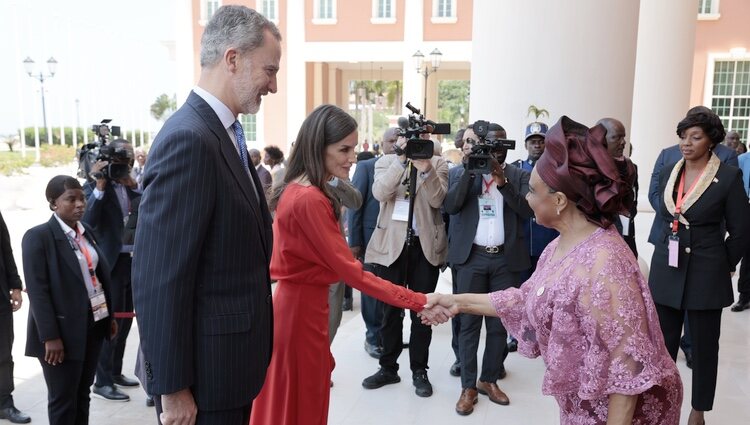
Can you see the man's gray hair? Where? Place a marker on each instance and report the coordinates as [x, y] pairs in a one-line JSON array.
[[236, 27]]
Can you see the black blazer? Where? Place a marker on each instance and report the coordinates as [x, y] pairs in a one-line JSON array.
[[105, 217], [362, 221], [201, 285], [59, 304], [461, 203], [9, 278], [702, 281], [265, 178]]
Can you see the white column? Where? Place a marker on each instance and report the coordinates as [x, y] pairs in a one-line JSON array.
[[413, 88], [296, 73], [663, 72], [573, 57]]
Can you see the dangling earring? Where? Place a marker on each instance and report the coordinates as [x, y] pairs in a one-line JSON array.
[[558, 211]]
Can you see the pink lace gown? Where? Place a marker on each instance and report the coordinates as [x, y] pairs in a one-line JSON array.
[[591, 317]]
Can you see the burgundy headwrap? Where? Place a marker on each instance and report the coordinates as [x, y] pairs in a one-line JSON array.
[[576, 163]]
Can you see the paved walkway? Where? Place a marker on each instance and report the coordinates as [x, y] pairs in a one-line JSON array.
[[23, 206]]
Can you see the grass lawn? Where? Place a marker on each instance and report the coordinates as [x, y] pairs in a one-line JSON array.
[[51, 155]]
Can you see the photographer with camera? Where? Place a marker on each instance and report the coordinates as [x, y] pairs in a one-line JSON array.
[[487, 202], [390, 253], [112, 212]]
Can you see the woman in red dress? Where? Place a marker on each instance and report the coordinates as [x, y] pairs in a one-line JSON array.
[[308, 254]]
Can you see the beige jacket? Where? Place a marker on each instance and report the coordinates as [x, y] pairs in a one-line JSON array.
[[389, 236]]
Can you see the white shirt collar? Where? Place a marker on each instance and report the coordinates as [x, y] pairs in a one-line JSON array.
[[222, 111], [67, 229]]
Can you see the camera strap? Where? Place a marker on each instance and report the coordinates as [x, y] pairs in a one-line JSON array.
[[407, 179]]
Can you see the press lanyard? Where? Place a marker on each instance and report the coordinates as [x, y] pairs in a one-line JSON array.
[[681, 198], [487, 185], [85, 251]]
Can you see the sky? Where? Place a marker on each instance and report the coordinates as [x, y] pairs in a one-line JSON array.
[[113, 56]]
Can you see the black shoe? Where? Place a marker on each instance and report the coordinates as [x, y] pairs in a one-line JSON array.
[[424, 388], [456, 368], [150, 400], [742, 304], [14, 415], [124, 381], [381, 378], [373, 350], [110, 393], [512, 344], [347, 305]]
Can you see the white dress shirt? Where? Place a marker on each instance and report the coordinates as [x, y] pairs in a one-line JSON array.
[[75, 243], [490, 231]]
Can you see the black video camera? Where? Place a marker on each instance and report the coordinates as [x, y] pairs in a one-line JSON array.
[[118, 157], [416, 147], [480, 158]]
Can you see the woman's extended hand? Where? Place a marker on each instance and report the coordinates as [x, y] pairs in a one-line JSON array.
[[54, 352], [439, 309]]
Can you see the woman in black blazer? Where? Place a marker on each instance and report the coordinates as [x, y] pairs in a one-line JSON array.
[[693, 261], [67, 281]]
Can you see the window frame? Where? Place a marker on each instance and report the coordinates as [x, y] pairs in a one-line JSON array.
[[437, 19], [317, 20], [711, 15], [377, 20], [275, 9], [204, 18], [708, 89]]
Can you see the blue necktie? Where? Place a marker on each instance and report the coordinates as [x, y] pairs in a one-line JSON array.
[[240, 135]]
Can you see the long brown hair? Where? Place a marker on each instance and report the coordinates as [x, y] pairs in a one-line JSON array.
[[326, 125]]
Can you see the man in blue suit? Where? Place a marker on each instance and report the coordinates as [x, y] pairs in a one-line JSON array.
[[666, 160], [362, 222], [743, 284], [201, 283], [112, 202]]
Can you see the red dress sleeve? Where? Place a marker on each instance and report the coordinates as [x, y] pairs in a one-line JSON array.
[[320, 230]]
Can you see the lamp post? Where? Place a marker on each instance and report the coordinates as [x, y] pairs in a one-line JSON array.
[[28, 64], [425, 71]]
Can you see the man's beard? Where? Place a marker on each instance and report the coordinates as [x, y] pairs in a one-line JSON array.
[[248, 95]]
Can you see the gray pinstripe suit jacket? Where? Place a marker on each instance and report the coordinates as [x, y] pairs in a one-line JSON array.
[[201, 285]]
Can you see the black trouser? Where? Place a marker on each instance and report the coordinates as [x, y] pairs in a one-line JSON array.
[[423, 278], [743, 284], [238, 416], [6, 358], [68, 383], [372, 315], [456, 320], [483, 273], [121, 294], [705, 329]]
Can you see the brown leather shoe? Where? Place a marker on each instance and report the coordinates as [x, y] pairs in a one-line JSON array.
[[495, 394], [465, 403]]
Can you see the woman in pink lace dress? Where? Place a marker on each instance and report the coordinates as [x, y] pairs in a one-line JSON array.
[[587, 309]]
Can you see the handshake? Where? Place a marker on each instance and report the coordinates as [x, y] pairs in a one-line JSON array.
[[439, 308]]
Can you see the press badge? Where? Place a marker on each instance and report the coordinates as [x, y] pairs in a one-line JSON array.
[[401, 210], [674, 250], [487, 208], [99, 306]]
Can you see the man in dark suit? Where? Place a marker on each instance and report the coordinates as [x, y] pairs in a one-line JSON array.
[[616, 148], [10, 302], [201, 283], [487, 247], [112, 211], [362, 222], [263, 174]]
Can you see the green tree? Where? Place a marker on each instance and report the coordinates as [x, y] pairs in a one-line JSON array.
[[162, 106], [537, 112], [453, 103]]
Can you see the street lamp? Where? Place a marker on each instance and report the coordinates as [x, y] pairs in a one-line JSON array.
[[425, 71], [28, 65]]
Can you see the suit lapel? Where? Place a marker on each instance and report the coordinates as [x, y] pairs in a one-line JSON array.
[[232, 159], [63, 246]]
